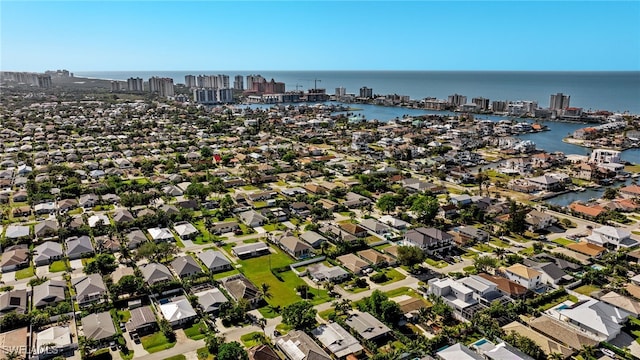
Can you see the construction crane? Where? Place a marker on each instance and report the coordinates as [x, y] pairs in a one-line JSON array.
[[315, 82], [298, 86]]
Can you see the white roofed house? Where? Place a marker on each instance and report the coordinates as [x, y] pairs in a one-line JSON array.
[[610, 236], [429, 240], [337, 340], [98, 220], [185, 230], [594, 318], [161, 234], [54, 340], [211, 300], [178, 311], [251, 250], [253, 218]]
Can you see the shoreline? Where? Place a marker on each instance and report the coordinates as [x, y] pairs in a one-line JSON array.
[[577, 142]]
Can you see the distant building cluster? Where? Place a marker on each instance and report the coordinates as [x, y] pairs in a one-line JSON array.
[[29, 78]]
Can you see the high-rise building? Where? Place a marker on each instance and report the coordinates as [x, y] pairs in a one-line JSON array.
[[222, 81], [251, 79], [483, 104], [238, 82], [366, 92], [341, 91], [162, 86], [115, 86], [44, 81], [190, 81], [559, 101], [135, 84], [499, 106], [457, 99], [212, 96]]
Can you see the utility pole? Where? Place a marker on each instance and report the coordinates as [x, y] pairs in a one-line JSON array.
[[315, 83]]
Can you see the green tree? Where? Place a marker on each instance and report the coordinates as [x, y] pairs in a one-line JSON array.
[[198, 191], [517, 214], [484, 263], [425, 207], [300, 315], [213, 342], [103, 264], [610, 193], [232, 351], [387, 203], [410, 255], [206, 152]]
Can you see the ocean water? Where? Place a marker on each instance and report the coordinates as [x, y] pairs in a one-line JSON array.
[[613, 91]]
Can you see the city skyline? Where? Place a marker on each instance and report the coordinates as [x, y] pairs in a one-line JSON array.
[[321, 35]]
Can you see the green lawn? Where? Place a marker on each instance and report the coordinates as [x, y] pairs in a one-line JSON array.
[[586, 289], [258, 270], [252, 339], [250, 187], [197, 331], [259, 204], [563, 241], [156, 342], [326, 313], [176, 357], [438, 264], [393, 276], [224, 274], [483, 247], [402, 291], [85, 261], [204, 237], [25, 273], [203, 354], [274, 227], [75, 211], [382, 247], [124, 315], [58, 266], [527, 251], [500, 243]]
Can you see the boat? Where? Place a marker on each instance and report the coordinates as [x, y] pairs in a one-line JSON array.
[[635, 176]]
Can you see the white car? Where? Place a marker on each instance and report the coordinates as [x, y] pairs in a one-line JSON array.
[[609, 353]]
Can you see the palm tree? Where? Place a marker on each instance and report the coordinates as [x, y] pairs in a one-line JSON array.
[[556, 356], [262, 322], [587, 351], [264, 290], [499, 252], [324, 246]]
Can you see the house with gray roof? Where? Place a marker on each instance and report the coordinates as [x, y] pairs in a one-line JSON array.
[[45, 208], [429, 240], [14, 257], [313, 238], [17, 232], [320, 272], [122, 216], [251, 250], [47, 252], [186, 266], [458, 352], [45, 229], [295, 248], [88, 201], [224, 227], [337, 340], [135, 238], [215, 261], [143, 321], [99, 327], [211, 300], [239, 287], [297, 345], [367, 326], [50, 292], [13, 301], [79, 247], [253, 218], [89, 289], [154, 273]]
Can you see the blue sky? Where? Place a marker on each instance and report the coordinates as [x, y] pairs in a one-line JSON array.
[[319, 35]]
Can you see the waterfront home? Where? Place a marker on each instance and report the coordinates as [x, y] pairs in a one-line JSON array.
[[546, 182], [613, 236], [589, 211], [630, 192]]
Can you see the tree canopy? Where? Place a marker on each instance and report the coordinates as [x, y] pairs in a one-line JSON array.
[[300, 315]]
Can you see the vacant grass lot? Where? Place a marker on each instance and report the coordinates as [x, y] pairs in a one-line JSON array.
[[438, 264], [25, 273], [586, 289], [156, 342], [58, 266], [563, 241]]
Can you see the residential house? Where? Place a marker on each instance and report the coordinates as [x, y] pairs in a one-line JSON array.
[[594, 318], [14, 257], [376, 258], [13, 301], [45, 229], [547, 345], [429, 240], [251, 250], [455, 294], [625, 303], [99, 328], [376, 226], [300, 209], [98, 220], [367, 326], [524, 275], [630, 192], [313, 238], [394, 222], [45, 208], [161, 234], [53, 341], [67, 204], [50, 292], [587, 248], [458, 352], [215, 261], [461, 200], [106, 243], [337, 340], [122, 216], [590, 211], [507, 287], [17, 232], [262, 352], [538, 220], [239, 287], [551, 273], [87, 201], [224, 227], [185, 230], [210, 300], [186, 266], [297, 345], [47, 252], [353, 229], [79, 247], [468, 234], [253, 218], [546, 182], [295, 247], [615, 237], [498, 351], [354, 200], [319, 272], [89, 289], [143, 321], [178, 311], [154, 273], [561, 332], [135, 238], [353, 263]]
